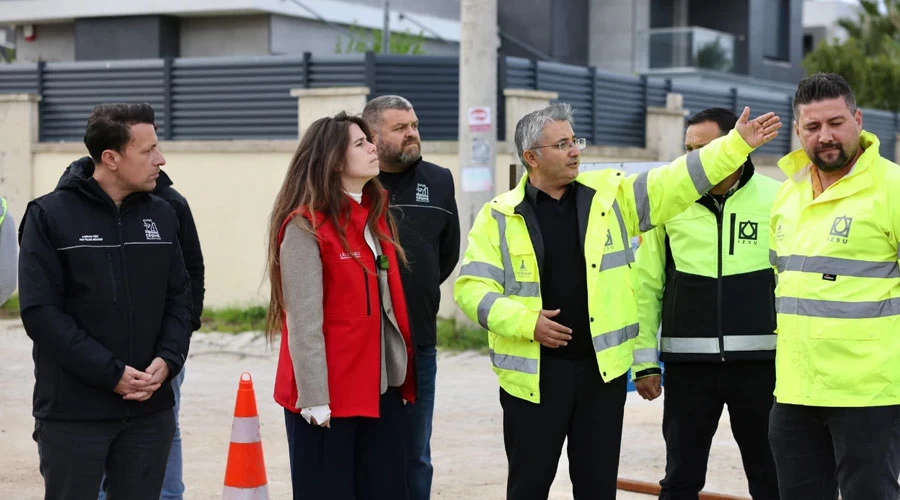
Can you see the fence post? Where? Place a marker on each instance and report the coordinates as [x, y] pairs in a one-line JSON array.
[[537, 74], [734, 101], [168, 132], [789, 124], [501, 100], [594, 105], [41, 69], [307, 59], [370, 74]]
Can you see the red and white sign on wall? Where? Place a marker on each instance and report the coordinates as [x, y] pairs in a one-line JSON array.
[[479, 119]]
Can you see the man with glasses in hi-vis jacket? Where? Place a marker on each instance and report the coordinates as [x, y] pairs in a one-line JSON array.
[[548, 272]]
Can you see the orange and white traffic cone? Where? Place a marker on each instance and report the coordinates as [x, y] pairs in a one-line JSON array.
[[245, 474]]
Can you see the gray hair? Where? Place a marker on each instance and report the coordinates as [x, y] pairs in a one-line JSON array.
[[374, 110], [531, 126]]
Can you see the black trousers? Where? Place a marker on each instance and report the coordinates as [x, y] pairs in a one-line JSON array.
[[575, 404], [358, 458], [695, 394], [133, 452], [817, 450]]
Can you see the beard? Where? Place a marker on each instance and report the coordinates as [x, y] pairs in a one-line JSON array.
[[399, 156], [839, 162]]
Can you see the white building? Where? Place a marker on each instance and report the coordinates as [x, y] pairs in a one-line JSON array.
[[66, 30], [820, 21]]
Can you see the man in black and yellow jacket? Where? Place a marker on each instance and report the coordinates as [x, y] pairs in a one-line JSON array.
[[705, 275]]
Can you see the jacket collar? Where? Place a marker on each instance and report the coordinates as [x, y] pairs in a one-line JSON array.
[[796, 164]]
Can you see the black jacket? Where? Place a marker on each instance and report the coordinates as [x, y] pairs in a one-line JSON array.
[[424, 204], [101, 287], [190, 242], [731, 305]]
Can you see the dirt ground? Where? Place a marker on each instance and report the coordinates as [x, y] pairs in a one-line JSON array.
[[467, 446]]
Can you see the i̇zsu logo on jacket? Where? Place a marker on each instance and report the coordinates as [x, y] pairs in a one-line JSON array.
[[840, 229], [748, 232], [150, 230]]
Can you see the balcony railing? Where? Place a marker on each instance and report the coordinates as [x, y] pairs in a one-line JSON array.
[[684, 48]]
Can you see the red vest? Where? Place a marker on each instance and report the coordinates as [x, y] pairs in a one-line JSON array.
[[352, 320]]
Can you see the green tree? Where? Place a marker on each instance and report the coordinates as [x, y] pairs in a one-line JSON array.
[[713, 56], [870, 57], [364, 40]]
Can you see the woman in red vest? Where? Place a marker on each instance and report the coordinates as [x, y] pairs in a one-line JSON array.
[[346, 363]]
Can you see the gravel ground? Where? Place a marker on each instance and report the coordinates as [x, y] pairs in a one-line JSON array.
[[467, 446]]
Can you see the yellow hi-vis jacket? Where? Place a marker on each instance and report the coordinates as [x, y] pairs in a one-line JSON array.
[[838, 292], [499, 282]]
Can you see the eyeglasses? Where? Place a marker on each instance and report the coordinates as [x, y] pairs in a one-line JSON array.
[[566, 145]]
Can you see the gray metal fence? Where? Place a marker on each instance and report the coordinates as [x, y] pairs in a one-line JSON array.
[[430, 83], [70, 89], [885, 125], [242, 98], [245, 98], [18, 78]]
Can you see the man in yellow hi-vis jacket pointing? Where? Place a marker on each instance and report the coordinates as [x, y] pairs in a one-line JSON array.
[[834, 231], [548, 272]]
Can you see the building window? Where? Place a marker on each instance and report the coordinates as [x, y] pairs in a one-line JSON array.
[[808, 43], [777, 29]]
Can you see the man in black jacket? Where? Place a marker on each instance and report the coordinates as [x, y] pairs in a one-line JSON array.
[[423, 201], [105, 297], [173, 484]]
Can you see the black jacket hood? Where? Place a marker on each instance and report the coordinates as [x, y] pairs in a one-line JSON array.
[[76, 174], [81, 170]]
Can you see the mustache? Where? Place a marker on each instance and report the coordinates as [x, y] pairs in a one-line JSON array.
[[830, 145]]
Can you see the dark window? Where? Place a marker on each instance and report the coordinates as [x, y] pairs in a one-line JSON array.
[[809, 42], [778, 29]]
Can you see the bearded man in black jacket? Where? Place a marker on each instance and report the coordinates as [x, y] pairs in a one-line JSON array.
[[423, 202], [106, 298]]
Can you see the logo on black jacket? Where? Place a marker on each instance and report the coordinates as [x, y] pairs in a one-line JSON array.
[[422, 193], [748, 230], [150, 230], [840, 229]]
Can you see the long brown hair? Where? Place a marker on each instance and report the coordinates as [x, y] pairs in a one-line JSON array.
[[313, 183]]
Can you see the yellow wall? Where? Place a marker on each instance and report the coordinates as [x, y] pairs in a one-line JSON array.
[[231, 186], [231, 195]]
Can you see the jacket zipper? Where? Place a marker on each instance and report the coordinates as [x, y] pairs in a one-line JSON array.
[[127, 290], [720, 209], [112, 276]]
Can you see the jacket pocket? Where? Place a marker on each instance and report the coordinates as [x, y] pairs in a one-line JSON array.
[[524, 266]]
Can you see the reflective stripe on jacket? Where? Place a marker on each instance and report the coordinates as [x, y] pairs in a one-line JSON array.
[[499, 282]]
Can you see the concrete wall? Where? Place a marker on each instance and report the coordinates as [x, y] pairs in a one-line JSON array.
[[225, 36], [820, 19], [612, 31], [231, 205], [54, 42], [759, 66], [558, 29], [448, 9], [292, 35]]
